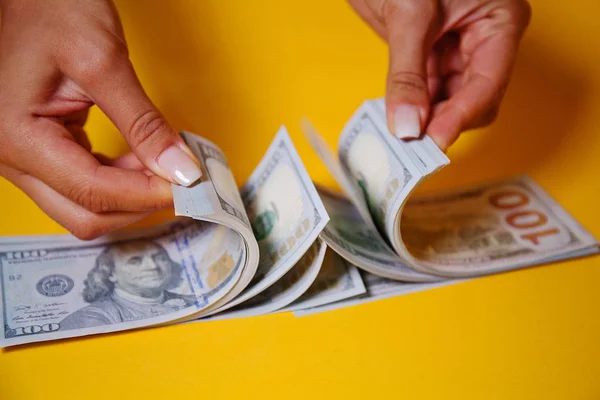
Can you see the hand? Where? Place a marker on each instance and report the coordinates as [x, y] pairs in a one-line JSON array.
[[57, 59], [450, 61]]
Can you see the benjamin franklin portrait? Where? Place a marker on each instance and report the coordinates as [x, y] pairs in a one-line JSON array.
[[128, 282]]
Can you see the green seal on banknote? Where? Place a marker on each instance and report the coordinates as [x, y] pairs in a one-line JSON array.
[[263, 224]]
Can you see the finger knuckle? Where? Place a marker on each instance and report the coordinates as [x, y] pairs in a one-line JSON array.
[[155, 184], [410, 9], [85, 195], [81, 194], [147, 129], [408, 81]]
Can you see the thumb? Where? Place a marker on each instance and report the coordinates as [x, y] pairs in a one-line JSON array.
[[410, 35], [116, 89]]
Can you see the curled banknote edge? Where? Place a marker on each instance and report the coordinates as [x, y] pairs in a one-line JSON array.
[[228, 246], [281, 243], [337, 280], [376, 288], [66, 288], [294, 284], [377, 225]]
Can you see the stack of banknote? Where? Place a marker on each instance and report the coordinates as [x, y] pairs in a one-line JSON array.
[[281, 243]]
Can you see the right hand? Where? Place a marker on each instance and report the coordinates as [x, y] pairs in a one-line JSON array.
[[57, 59], [450, 61]]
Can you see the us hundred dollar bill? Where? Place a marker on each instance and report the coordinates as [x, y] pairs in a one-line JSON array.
[[469, 232], [285, 211], [492, 227], [282, 244], [350, 236], [216, 198], [337, 280], [55, 289], [377, 288], [294, 284]]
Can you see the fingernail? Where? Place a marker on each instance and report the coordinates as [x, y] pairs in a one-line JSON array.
[[407, 122], [179, 165]]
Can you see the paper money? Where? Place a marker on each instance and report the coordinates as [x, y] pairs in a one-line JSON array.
[[337, 280], [215, 198], [377, 288], [385, 168], [281, 244], [286, 290], [349, 235], [286, 213], [377, 173], [350, 187], [457, 234], [56, 287], [75, 288], [493, 227]]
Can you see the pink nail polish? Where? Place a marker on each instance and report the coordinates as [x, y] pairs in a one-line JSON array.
[[407, 122], [179, 166]]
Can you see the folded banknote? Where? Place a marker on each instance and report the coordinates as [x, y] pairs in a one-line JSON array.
[[282, 243]]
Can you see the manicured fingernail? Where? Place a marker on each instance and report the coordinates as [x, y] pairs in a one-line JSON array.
[[179, 165], [407, 122]]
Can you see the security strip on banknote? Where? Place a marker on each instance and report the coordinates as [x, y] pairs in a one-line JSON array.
[[280, 243]]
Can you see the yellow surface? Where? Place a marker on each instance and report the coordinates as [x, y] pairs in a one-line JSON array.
[[234, 71]]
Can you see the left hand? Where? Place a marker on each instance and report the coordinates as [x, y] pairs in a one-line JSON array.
[[57, 59]]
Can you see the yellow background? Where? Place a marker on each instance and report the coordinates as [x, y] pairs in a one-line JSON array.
[[234, 71]]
